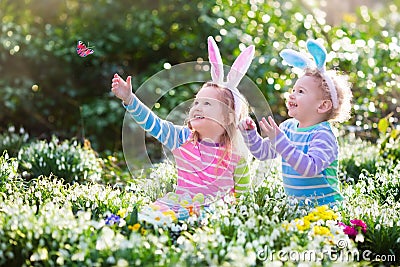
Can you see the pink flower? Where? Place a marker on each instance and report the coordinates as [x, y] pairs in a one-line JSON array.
[[350, 231], [359, 223], [354, 231]]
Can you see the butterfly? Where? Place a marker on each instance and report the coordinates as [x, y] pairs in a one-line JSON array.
[[82, 50]]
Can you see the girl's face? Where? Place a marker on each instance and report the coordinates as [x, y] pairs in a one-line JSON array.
[[209, 115], [305, 100]]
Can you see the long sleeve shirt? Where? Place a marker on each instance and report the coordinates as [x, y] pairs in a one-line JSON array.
[[199, 164], [309, 159]]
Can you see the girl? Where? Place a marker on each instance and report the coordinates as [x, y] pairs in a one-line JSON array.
[[306, 142], [205, 150]]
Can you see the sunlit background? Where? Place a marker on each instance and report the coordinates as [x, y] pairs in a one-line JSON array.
[[47, 89], [67, 197]]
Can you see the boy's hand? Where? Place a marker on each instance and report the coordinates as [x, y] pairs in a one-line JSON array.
[[247, 124], [270, 128], [122, 89]]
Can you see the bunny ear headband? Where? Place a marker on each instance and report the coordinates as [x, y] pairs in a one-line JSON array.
[[299, 60], [236, 73]]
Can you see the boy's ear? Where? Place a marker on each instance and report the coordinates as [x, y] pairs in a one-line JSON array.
[[325, 106]]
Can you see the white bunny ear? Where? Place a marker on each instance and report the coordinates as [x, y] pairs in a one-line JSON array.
[[240, 67], [295, 59], [217, 67], [318, 52]]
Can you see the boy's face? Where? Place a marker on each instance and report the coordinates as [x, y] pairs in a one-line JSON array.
[[305, 99]]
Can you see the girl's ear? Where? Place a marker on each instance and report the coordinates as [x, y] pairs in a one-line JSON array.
[[325, 106]]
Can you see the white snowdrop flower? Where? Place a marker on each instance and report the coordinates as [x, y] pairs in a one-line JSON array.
[[359, 238], [180, 240], [250, 259], [235, 253], [226, 221], [224, 212], [255, 243], [79, 256], [363, 190], [293, 201], [251, 223], [308, 202], [249, 245], [110, 260], [256, 207], [232, 210], [358, 211], [192, 219], [275, 233], [243, 208], [236, 221], [184, 226], [241, 237], [122, 263], [262, 239], [276, 209]]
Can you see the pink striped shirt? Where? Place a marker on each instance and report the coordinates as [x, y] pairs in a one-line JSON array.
[[200, 169]]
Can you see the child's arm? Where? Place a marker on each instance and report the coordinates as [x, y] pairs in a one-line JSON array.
[[261, 148], [322, 151], [241, 177], [165, 132]]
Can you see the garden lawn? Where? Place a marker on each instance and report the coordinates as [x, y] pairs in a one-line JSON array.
[[47, 222]]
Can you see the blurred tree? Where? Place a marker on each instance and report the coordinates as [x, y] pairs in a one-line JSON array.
[[48, 89]]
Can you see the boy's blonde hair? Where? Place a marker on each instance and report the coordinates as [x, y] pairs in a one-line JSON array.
[[344, 95]]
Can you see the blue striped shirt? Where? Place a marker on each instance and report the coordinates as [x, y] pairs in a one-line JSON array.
[[309, 159]]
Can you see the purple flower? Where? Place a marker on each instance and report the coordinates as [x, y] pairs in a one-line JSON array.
[[112, 219]]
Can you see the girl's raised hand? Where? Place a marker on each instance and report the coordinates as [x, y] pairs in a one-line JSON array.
[[246, 124], [270, 128], [122, 89]]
